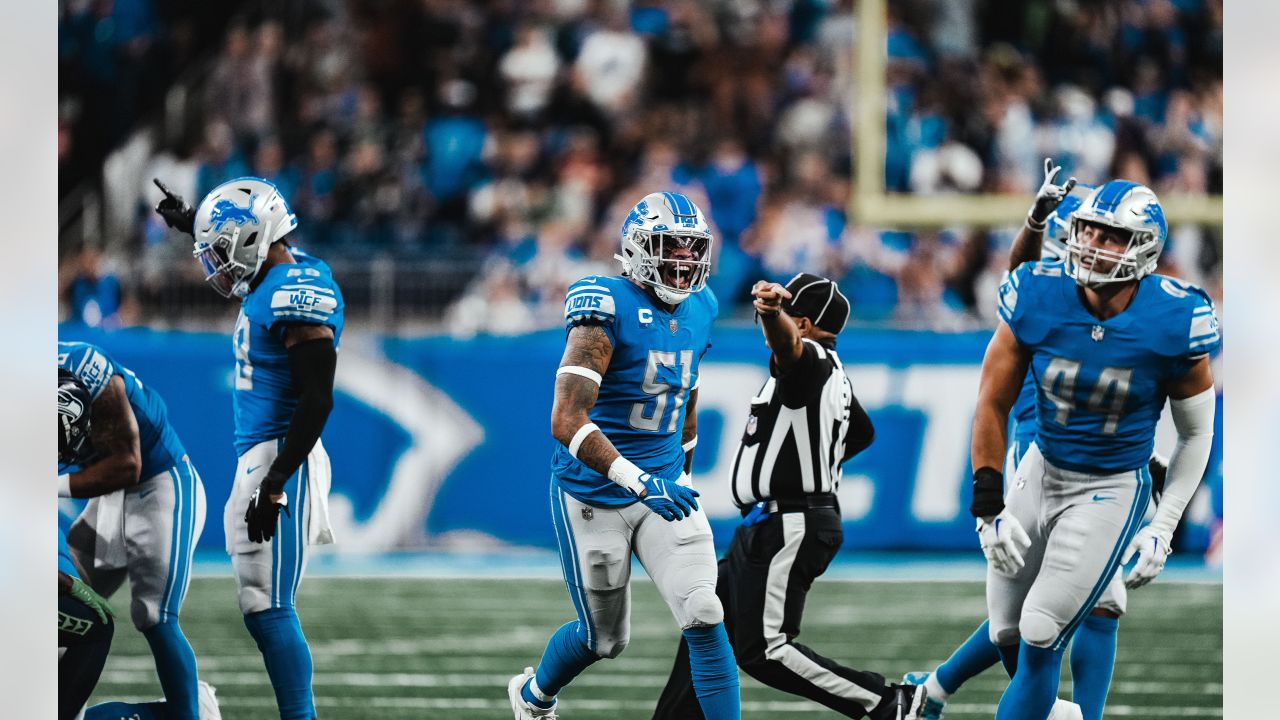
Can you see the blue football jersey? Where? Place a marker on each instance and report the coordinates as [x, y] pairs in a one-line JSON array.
[[65, 565], [654, 367], [161, 449], [1100, 384], [301, 293]]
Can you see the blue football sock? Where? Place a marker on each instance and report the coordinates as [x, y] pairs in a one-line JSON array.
[[176, 666], [1034, 687], [126, 711], [288, 660], [976, 655], [1093, 657], [715, 673], [567, 654]]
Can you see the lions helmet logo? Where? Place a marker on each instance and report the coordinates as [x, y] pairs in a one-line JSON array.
[[225, 211]]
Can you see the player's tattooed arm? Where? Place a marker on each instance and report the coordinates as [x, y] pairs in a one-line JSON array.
[[114, 437], [1004, 367], [589, 347], [690, 431]]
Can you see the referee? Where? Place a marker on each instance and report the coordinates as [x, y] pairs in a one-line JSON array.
[[805, 423]]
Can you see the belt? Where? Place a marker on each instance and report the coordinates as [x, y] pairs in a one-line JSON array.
[[800, 504]]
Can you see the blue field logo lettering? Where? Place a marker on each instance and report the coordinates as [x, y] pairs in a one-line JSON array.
[[225, 211]]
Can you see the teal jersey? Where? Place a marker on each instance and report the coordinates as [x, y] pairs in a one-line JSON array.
[[654, 367], [161, 449], [290, 294], [65, 565], [1100, 384]]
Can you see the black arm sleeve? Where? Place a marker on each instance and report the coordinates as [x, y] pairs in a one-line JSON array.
[[861, 431], [312, 364], [802, 382]]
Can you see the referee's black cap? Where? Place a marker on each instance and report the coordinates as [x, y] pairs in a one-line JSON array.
[[818, 299]]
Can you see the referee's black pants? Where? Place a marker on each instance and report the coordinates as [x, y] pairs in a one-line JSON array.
[[763, 581], [87, 641]]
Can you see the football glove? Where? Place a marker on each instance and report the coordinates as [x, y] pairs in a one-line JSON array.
[[86, 595], [263, 512], [671, 500], [1003, 542], [1049, 196], [758, 514], [1153, 550], [176, 212]]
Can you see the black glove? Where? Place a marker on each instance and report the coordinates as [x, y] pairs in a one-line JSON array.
[[263, 512], [176, 212]]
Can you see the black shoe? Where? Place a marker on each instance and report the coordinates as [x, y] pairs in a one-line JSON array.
[[906, 703]]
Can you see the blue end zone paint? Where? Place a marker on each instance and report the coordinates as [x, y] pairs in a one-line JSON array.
[[545, 565]]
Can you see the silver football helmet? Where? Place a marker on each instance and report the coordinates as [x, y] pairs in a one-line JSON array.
[[666, 245], [235, 226], [1132, 209], [1058, 224]]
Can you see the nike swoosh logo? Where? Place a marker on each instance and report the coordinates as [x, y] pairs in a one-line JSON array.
[[1096, 498], [249, 471], [144, 493]]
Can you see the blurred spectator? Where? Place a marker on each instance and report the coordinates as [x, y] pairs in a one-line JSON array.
[[611, 63], [448, 130], [92, 295], [529, 69]]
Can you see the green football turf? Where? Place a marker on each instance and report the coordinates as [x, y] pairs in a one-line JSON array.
[[413, 648]]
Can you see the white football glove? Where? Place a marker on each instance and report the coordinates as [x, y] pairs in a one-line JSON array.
[[1048, 196], [1003, 542], [1153, 549]]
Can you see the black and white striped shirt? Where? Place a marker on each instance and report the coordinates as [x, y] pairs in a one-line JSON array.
[[803, 425]]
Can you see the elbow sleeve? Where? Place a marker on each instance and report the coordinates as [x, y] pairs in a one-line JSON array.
[[1193, 417]]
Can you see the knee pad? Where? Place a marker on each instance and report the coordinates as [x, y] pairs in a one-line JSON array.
[[1038, 629], [610, 648], [1005, 636], [701, 608]]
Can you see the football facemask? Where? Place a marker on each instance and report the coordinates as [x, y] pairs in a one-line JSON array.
[[1132, 211], [666, 246]]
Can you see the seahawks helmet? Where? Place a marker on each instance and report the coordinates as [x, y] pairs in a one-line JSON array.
[[666, 245], [74, 406], [235, 226], [1135, 212], [1058, 224]]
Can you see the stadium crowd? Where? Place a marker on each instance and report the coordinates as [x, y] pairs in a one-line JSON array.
[[522, 131]]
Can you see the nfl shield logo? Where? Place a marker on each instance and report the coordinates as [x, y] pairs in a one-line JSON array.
[[673, 325], [1097, 333], [587, 513], [751, 425]]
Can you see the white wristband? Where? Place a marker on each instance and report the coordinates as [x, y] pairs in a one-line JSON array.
[[625, 473], [690, 445], [579, 436], [64, 485], [580, 371]]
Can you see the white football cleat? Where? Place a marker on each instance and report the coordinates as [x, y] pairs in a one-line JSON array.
[[526, 710], [208, 703], [1065, 710]]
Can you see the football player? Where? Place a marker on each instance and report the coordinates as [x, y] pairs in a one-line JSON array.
[[145, 514], [1108, 341], [285, 346], [1093, 647], [84, 617], [625, 419]]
